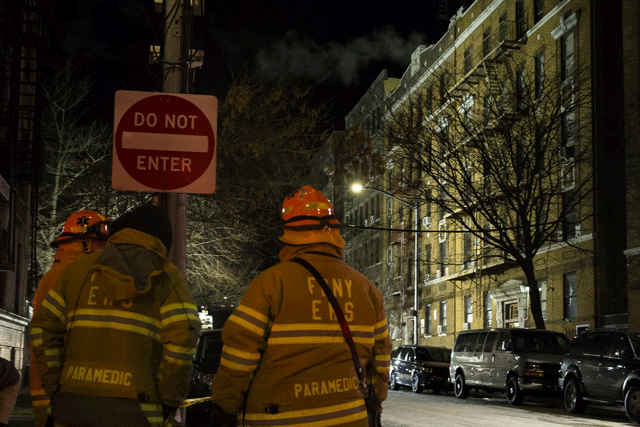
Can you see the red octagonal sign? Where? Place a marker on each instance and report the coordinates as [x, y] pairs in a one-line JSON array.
[[164, 142]]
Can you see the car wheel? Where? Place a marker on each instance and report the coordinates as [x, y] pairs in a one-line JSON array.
[[416, 387], [515, 396], [573, 401], [460, 388], [632, 404], [393, 381]]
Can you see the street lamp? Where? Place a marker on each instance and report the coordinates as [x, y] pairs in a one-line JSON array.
[[356, 188]]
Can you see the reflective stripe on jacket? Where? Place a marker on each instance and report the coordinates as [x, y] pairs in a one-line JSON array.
[[285, 344], [119, 323]]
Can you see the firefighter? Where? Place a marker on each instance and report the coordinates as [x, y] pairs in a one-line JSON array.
[[83, 232], [116, 334], [283, 347]]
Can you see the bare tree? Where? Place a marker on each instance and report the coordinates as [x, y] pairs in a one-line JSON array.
[[506, 158], [73, 145], [76, 161], [266, 136]]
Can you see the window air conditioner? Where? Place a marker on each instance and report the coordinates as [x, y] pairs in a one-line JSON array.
[[426, 222], [371, 219], [559, 235], [366, 223], [427, 277], [466, 326], [442, 329], [578, 230], [437, 274]]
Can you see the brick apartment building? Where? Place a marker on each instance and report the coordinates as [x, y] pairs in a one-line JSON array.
[[557, 81]]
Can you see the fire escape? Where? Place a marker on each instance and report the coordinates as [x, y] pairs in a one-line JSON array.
[[21, 40]]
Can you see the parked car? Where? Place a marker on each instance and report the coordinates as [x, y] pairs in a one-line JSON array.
[[517, 361], [602, 366], [420, 367], [206, 361]]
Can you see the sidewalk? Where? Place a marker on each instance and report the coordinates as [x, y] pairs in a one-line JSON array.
[[22, 415]]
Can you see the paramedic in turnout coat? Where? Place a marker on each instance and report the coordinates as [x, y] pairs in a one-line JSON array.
[[115, 336], [83, 232], [283, 346]]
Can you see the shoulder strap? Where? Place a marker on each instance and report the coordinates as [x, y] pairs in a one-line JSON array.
[[343, 323]]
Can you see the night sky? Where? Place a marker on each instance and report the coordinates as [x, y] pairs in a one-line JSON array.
[[340, 47]]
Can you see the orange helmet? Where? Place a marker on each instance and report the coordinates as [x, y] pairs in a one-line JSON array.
[[83, 225], [309, 218]]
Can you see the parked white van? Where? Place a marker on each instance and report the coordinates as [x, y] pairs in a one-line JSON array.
[[516, 360]]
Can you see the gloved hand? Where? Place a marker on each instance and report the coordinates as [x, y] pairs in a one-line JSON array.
[[168, 411], [219, 418]]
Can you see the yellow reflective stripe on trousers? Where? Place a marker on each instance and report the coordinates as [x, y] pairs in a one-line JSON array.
[[335, 415], [153, 412], [38, 397], [115, 319], [318, 333]]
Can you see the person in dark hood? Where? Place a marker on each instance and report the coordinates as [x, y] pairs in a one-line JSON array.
[[115, 336], [9, 389]]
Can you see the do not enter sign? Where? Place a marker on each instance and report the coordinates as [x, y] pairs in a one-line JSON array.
[[164, 142]]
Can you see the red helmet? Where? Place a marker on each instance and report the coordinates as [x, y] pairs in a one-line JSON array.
[[309, 218], [83, 225]]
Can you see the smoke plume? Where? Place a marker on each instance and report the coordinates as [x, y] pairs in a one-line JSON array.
[[294, 57]]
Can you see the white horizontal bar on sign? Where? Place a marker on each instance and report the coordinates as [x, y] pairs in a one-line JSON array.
[[165, 142]]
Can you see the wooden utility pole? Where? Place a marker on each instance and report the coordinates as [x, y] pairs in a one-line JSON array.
[[174, 77]]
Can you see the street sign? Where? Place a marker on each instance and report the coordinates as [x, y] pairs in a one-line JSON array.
[[164, 142]]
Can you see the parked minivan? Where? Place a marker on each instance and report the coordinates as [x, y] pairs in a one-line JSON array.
[[516, 360]]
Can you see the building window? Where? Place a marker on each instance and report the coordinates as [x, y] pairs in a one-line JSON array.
[[467, 248], [567, 59], [487, 109], [427, 319], [468, 59], [427, 262], [443, 257], [568, 133], [511, 314], [443, 87], [468, 309], [488, 310], [538, 10], [521, 23], [570, 211], [570, 295], [542, 288], [502, 29], [520, 89], [486, 42], [443, 313], [539, 75], [429, 100]]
